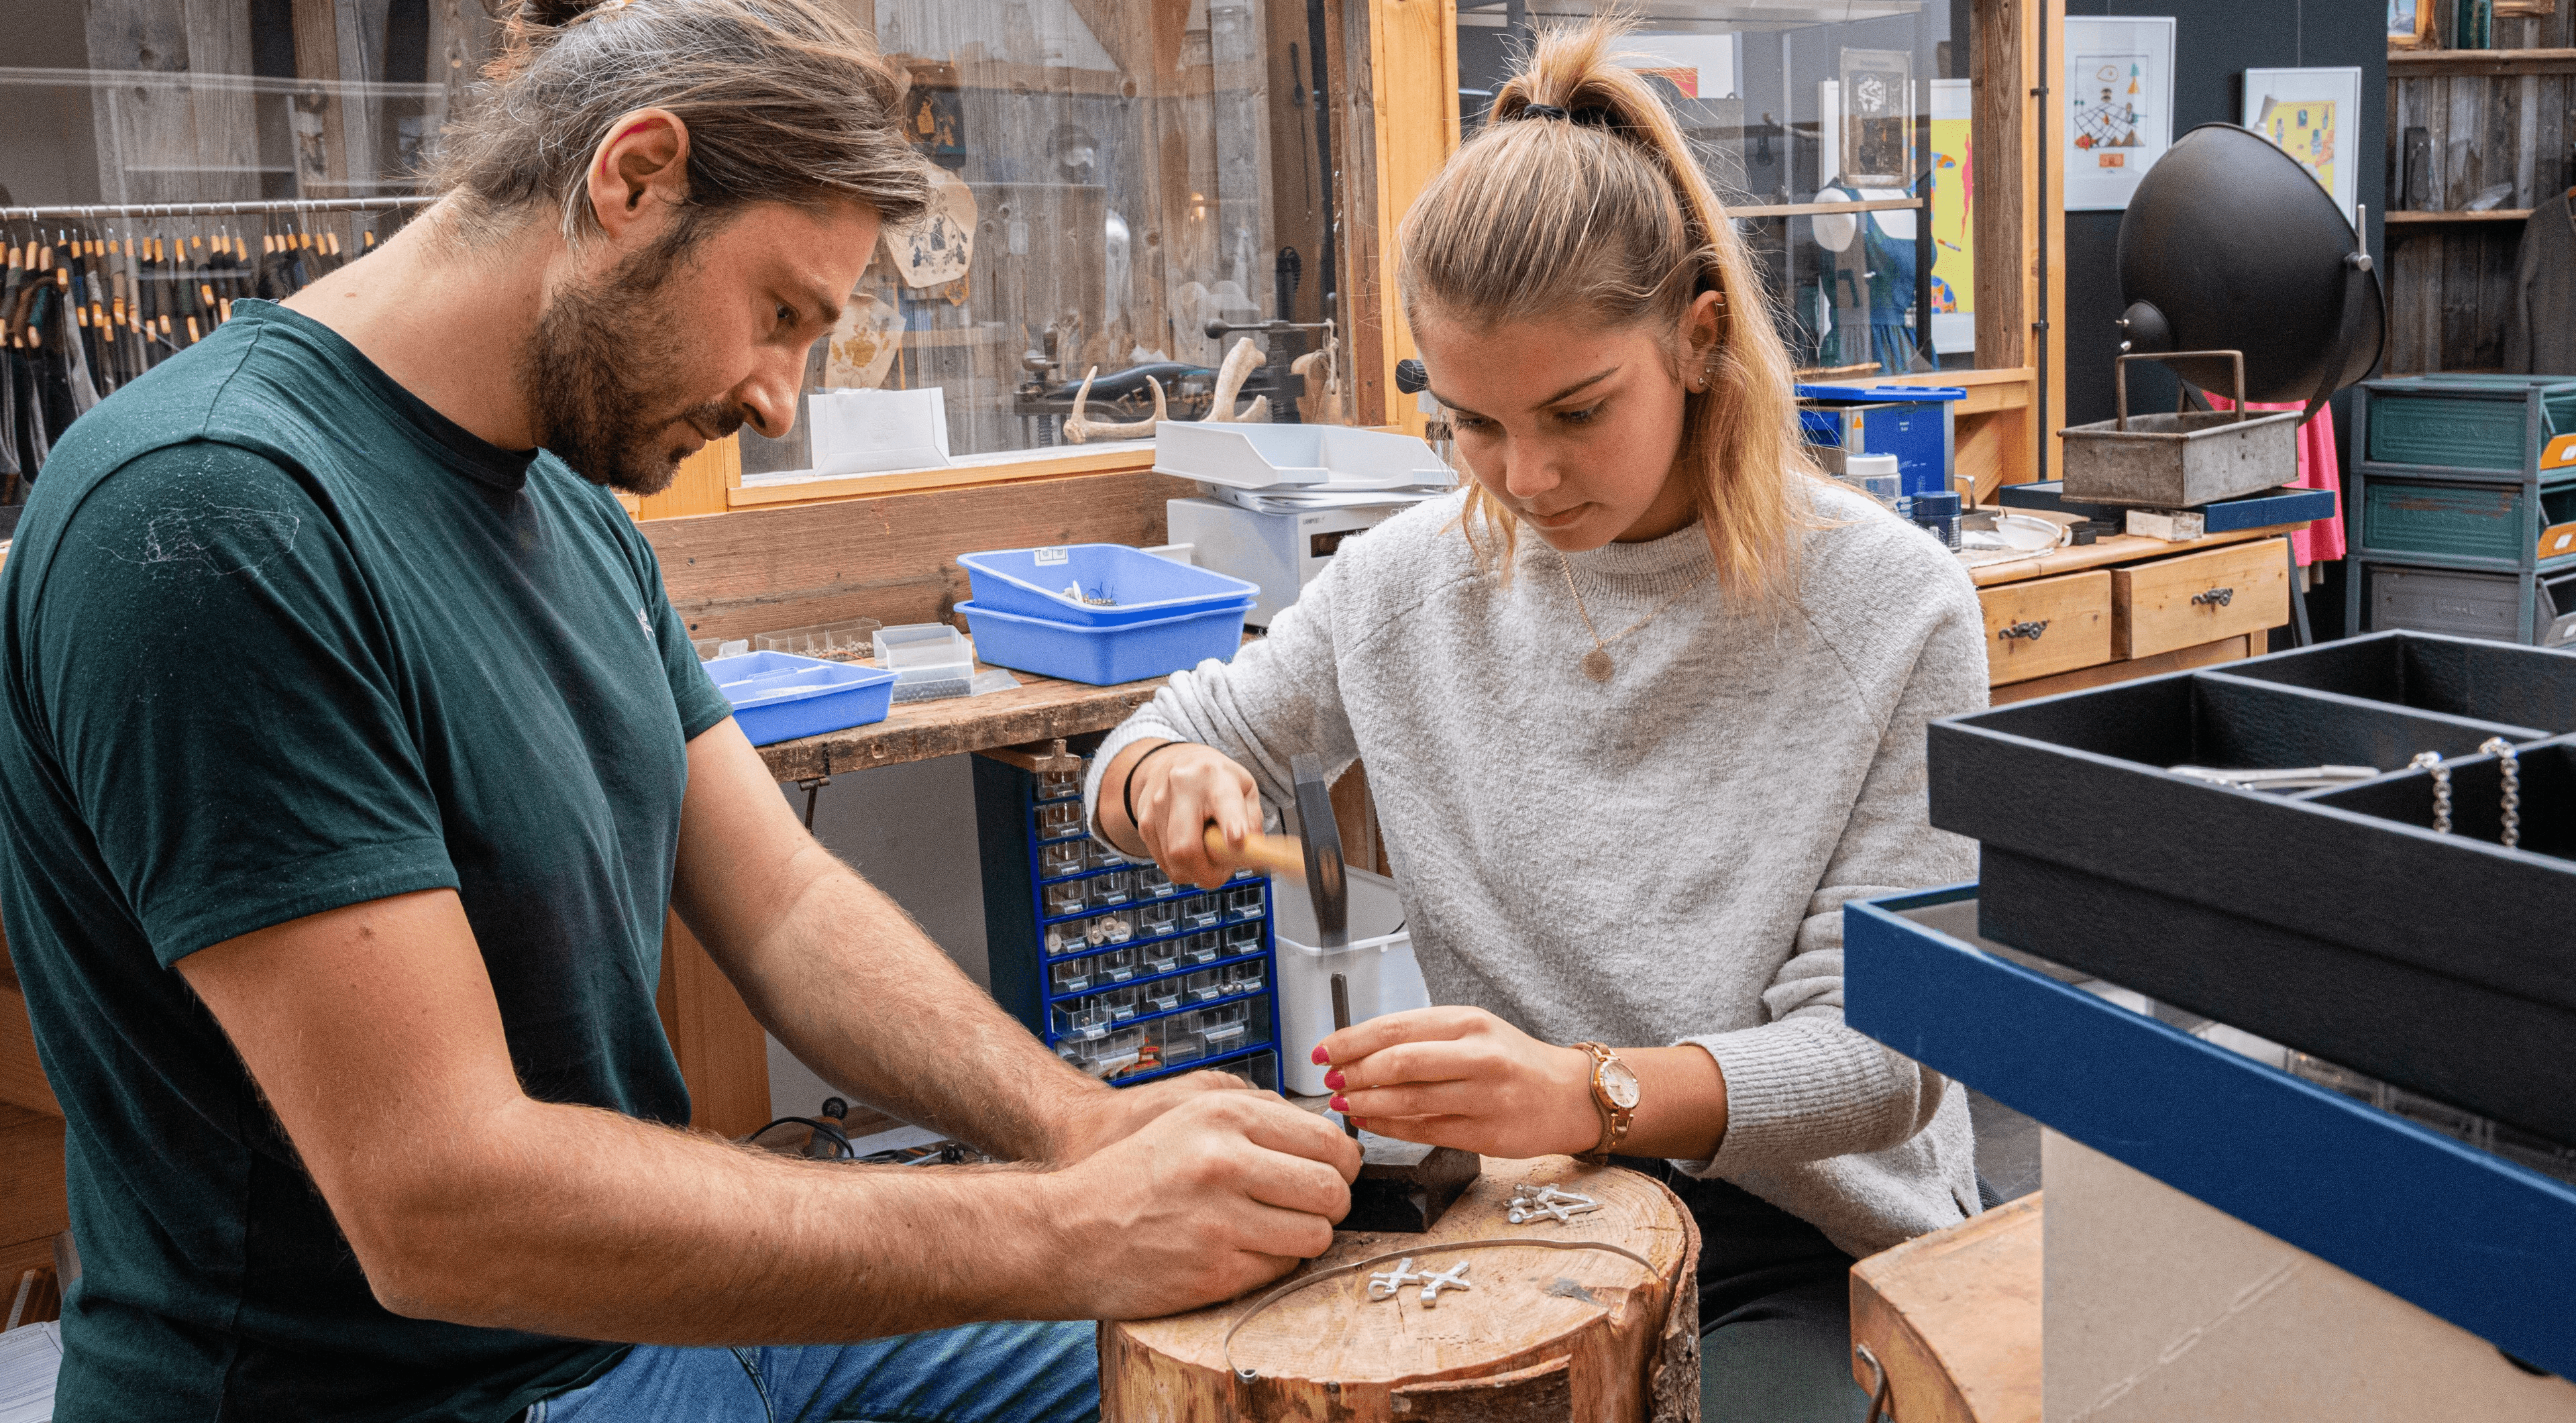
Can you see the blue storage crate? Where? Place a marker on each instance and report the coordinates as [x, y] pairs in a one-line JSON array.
[[1915, 423], [1106, 656], [778, 696], [1030, 583]]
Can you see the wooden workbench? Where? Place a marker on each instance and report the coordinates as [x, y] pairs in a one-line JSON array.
[[1035, 710]]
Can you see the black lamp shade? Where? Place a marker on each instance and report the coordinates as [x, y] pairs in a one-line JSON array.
[[2229, 245]]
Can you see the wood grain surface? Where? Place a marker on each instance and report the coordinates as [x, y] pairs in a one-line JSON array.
[[1543, 1333], [2072, 618], [2207, 654], [1954, 1316], [894, 559], [2151, 603]]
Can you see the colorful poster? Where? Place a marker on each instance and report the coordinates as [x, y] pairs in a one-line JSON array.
[[2310, 114], [1700, 66], [2118, 112], [1954, 209]]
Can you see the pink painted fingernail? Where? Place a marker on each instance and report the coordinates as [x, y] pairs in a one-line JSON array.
[[1333, 1079], [1338, 1105], [1322, 1057]]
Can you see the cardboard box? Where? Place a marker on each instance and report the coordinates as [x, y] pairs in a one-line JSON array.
[[2157, 1307]]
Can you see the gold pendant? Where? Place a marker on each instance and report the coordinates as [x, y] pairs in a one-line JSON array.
[[1596, 664]]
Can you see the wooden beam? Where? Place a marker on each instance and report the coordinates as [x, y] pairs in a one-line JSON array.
[[893, 559], [1413, 77], [2000, 107]]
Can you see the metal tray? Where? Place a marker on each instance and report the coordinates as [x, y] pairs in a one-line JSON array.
[[2177, 461]]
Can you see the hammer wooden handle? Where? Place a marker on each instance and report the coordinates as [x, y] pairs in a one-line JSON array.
[[1276, 853]]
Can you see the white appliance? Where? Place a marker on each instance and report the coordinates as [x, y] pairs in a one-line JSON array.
[[1280, 550], [1281, 499]]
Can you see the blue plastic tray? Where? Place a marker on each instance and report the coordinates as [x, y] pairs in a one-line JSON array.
[[1106, 656], [1147, 588], [778, 696]]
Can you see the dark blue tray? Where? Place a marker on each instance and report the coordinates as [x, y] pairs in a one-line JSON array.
[[2469, 1236]]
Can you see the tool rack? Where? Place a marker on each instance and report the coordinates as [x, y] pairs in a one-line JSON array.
[[2463, 489], [1123, 973]]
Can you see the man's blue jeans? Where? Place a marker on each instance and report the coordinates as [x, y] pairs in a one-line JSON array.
[[979, 1373]]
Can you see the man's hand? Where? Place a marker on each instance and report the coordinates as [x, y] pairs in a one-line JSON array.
[[1225, 1192], [1462, 1077], [1121, 1114]]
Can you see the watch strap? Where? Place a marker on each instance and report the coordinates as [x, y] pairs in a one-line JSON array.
[[1614, 1122]]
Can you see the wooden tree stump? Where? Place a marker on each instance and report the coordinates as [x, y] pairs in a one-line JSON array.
[[1541, 1336]]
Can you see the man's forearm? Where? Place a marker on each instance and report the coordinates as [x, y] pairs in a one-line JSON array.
[[591, 1225], [860, 994]]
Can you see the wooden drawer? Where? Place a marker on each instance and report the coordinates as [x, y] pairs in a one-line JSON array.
[[2046, 625], [2199, 597]]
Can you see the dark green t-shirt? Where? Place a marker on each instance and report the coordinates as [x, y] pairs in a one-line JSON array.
[[279, 639]]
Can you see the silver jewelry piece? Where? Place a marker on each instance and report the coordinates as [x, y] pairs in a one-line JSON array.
[[1528, 1204], [1390, 1283], [1453, 1278], [2432, 761], [2508, 762]]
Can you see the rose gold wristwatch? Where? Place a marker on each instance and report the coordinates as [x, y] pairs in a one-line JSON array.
[[1614, 1096]]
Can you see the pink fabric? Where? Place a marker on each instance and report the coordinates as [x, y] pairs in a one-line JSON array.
[[2321, 541]]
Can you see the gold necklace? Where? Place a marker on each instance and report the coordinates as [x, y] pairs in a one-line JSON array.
[[1597, 663]]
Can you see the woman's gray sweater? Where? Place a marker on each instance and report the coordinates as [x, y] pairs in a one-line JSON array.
[[1663, 858]]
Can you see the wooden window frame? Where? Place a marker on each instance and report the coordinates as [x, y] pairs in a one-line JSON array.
[[1396, 120]]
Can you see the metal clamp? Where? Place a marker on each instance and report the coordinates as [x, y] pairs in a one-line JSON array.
[[2029, 630], [2215, 597], [2120, 386]]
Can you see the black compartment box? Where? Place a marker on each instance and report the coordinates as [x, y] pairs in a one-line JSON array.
[[2336, 922]]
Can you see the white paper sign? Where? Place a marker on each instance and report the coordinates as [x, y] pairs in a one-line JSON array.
[[874, 431]]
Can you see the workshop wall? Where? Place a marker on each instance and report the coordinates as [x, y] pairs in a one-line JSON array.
[[911, 830], [2215, 42]]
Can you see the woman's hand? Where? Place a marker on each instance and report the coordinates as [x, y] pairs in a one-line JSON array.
[[1178, 793], [1462, 1077]]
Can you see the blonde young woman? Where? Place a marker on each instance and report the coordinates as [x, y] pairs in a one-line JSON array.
[[1641, 707]]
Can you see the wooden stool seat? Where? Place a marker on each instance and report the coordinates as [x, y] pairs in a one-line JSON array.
[[1538, 1334], [1954, 1318]]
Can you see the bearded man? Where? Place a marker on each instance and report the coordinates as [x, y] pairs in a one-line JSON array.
[[351, 754]]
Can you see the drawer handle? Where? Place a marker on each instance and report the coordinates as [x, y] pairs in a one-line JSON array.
[[2215, 597], [2027, 630]]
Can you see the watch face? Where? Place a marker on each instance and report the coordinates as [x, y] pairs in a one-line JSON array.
[[1619, 1085]]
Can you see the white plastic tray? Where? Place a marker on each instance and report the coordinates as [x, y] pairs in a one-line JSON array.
[[1334, 457]]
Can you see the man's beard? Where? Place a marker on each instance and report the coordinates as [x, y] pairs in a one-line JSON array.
[[599, 373]]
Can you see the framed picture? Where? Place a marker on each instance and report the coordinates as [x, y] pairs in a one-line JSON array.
[[2117, 118], [2410, 23], [2314, 115], [1878, 118]]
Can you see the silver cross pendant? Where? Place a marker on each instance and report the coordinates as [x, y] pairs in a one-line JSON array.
[[1528, 1205], [1453, 1278], [1388, 1284]]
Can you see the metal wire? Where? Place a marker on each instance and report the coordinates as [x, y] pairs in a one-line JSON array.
[[85, 212]]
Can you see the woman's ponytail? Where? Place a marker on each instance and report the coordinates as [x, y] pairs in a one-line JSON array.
[[1581, 197]]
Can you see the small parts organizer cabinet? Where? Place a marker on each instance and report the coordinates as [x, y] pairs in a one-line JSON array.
[[2466, 492], [1123, 973]]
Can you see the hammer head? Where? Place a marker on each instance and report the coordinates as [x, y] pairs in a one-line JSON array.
[[1322, 836]]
